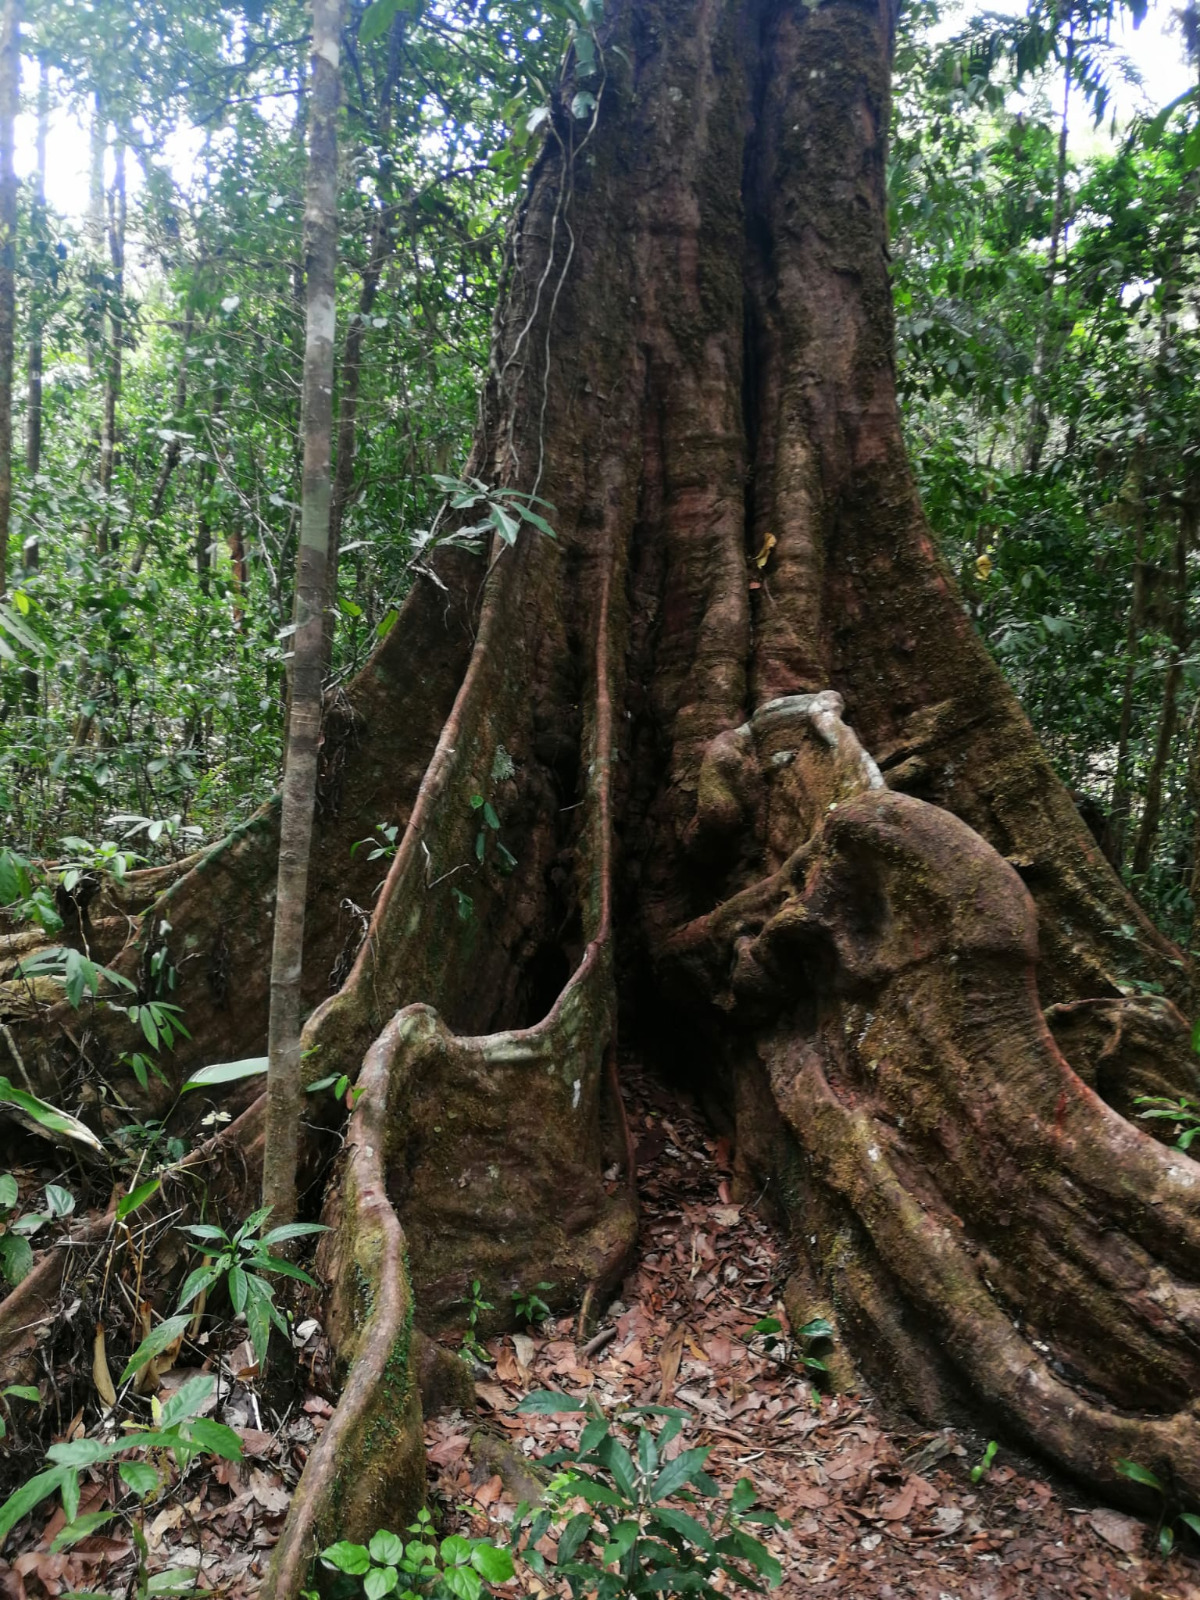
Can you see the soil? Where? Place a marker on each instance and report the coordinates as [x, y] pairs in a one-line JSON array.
[[876, 1508]]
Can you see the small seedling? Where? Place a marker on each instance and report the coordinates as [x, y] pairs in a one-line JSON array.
[[472, 1346], [529, 1306], [984, 1465], [1168, 1520], [797, 1348], [454, 1569]]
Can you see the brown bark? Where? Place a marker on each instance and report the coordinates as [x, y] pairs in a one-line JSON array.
[[1169, 714], [10, 93], [33, 413], [845, 880], [115, 342], [285, 1092]]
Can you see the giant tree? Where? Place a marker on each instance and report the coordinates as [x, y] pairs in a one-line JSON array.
[[725, 764]]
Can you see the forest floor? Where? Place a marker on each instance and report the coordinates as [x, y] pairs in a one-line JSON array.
[[878, 1508]]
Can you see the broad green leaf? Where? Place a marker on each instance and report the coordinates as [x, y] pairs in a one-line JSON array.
[[494, 1564], [8, 1191], [216, 1438], [678, 1472], [292, 1230], [188, 1400], [81, 1528], [386, 1548], [29, 1495], [464, 1583], [547, 1403], [379, 1581], [47, 1118], [177, 1580], [573, 1535], [1139, 1474], [227, 1072], [347, 1557], [154, 1344], [139, 1476], [16, 1258], [687, 1527], [137, 1197]]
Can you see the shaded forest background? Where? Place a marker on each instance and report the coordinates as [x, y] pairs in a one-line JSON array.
[[1047, 350]]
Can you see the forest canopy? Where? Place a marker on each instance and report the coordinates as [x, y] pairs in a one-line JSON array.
[[1046, 334]]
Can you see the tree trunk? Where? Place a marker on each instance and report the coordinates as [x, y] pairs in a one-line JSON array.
[[1152, 805], [33, 413], [788, 824], [10, 96], [285, 1092], [114, 354]]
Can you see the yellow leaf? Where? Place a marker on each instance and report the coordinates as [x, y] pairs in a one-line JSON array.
[[101, 1376], [983, 568], [764, 554]]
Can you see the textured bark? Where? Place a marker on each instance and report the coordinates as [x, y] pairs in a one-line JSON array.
[[33, 408], [786, 823], [10, 95], [285, 1092], [1147, 833]]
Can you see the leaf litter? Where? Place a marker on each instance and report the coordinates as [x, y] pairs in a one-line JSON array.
[[879, 1508]]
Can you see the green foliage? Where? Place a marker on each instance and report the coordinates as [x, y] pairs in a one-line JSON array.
[[241, 1261], [179, 1432], [17, 1391], [528, 1305], [472, 1346], [984, 1465], [424, 1568], [795, 1349], [632, 1540], [1184, 1112], [1171, 1516]]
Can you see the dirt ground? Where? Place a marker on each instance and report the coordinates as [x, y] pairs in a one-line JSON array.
[[878, 1508]]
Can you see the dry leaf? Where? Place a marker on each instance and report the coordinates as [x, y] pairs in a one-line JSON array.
[[508, 1369], [764, 551], [1122, 1532], [494, 1396], [525, 1347], [269, 1491], [669, 1358], [101, 1376]]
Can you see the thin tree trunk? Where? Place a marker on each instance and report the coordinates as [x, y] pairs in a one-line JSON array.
[[10, 90], [381, 243], [1133, 639], [33, 414], [284, 1091], [116, 339], [1152, 807], [1039, 422]]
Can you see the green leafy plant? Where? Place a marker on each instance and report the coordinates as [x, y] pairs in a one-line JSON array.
[[631, 1541], [384, 843], [529, 1306], [472, 1345], [795, 1349], [178, 1432], [16, 1391], [240, 1260], [984, 1465], [78, 974], [1184, 1111], [1169, 1518], [24, 895], [421, 1569]]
